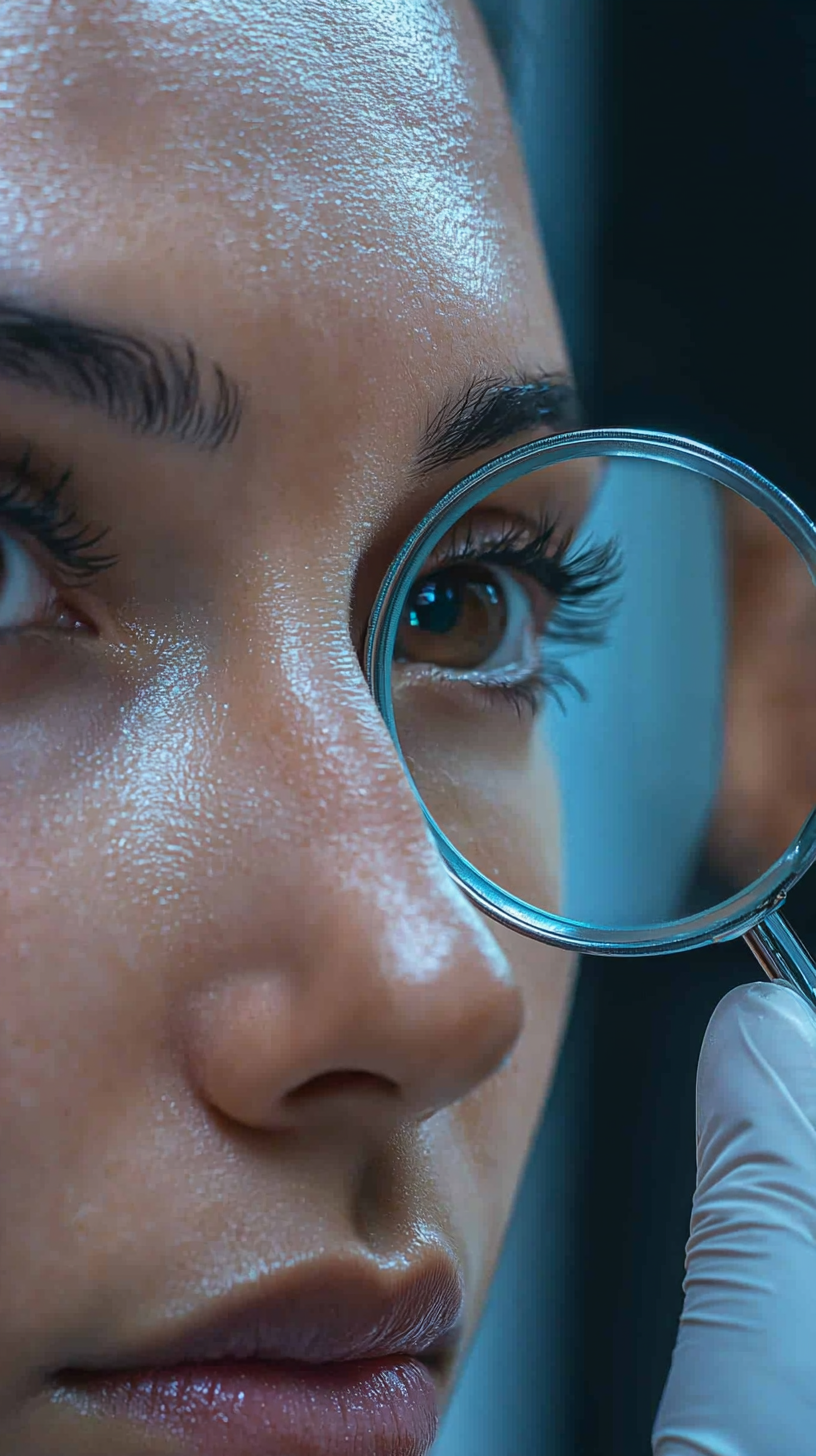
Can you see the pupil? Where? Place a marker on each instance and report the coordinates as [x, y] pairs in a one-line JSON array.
[[456, 619], [436, 606]]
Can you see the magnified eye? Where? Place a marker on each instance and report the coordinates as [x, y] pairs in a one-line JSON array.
[[500, 606], [27, 597], [466, 616]]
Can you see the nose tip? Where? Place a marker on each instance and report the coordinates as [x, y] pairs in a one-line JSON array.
[[368, 1017]]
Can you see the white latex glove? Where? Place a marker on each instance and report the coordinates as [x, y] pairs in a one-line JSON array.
[[743, 1374]]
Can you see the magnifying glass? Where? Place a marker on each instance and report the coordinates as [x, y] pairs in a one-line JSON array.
[[559, 652]]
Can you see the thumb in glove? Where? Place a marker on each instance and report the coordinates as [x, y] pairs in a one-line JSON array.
[[743, 1374]]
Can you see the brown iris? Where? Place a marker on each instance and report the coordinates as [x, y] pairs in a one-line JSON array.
[[455, 617]]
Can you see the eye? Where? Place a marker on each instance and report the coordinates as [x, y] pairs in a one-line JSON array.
[[29, 598], [501, 606], [469, 616]]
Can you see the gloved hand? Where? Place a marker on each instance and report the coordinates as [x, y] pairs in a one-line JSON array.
[[743, 1374]]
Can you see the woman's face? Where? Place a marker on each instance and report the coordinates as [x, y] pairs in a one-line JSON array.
[[254, 1045]]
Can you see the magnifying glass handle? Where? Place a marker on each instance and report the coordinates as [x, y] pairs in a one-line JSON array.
[[782, 955]]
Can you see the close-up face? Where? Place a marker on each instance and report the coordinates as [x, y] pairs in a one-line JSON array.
[[270, 287]]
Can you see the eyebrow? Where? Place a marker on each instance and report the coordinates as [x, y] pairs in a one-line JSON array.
[[152, 386], [159, 388], [490, 410]]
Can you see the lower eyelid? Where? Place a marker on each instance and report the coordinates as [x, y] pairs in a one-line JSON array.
[[461, 684]]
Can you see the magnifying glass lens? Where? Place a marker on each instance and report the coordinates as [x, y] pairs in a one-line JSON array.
[[600, 683]]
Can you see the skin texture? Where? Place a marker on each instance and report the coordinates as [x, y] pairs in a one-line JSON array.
[[247, 1020]]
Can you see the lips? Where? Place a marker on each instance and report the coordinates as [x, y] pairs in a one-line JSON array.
[[322, 1361], [318, 1316]]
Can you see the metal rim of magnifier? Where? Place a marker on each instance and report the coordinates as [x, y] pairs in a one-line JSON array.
[[730, 918]]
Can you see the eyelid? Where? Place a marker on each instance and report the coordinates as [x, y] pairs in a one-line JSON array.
[[511, 532], [503, 549], [36, 508]]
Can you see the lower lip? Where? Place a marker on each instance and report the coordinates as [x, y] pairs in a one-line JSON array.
[[385, 1407]]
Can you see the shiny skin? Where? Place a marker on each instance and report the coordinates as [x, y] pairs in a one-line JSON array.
[[246, 1019]]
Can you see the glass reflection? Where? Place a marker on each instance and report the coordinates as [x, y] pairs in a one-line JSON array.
[[569, 685]]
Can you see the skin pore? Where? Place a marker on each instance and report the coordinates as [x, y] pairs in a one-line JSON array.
[[247, 1021]]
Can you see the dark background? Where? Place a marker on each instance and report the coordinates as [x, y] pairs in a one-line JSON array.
[[706, 283], [672, 155]]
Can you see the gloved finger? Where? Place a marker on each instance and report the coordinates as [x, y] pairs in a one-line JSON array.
[[743, 1374]]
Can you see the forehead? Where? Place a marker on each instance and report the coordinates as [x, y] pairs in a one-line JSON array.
[[366, 140], [325, 196]]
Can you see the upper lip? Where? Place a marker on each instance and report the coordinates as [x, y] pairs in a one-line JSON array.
[[316, 1315]]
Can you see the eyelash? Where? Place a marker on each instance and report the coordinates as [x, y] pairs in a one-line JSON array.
[[580, 585], [41, 512]]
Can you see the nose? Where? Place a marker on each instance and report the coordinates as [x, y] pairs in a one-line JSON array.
[[354, 985]]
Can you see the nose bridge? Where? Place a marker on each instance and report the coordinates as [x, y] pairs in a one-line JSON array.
[[344, 946], [319, 782], [304, 749]]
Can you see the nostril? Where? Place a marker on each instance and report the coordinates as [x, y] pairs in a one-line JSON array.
[[338, 1084]]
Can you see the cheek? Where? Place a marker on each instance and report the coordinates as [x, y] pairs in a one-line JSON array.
[[547, 978], [64, 1077], [499, 1120], [488, 779]]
